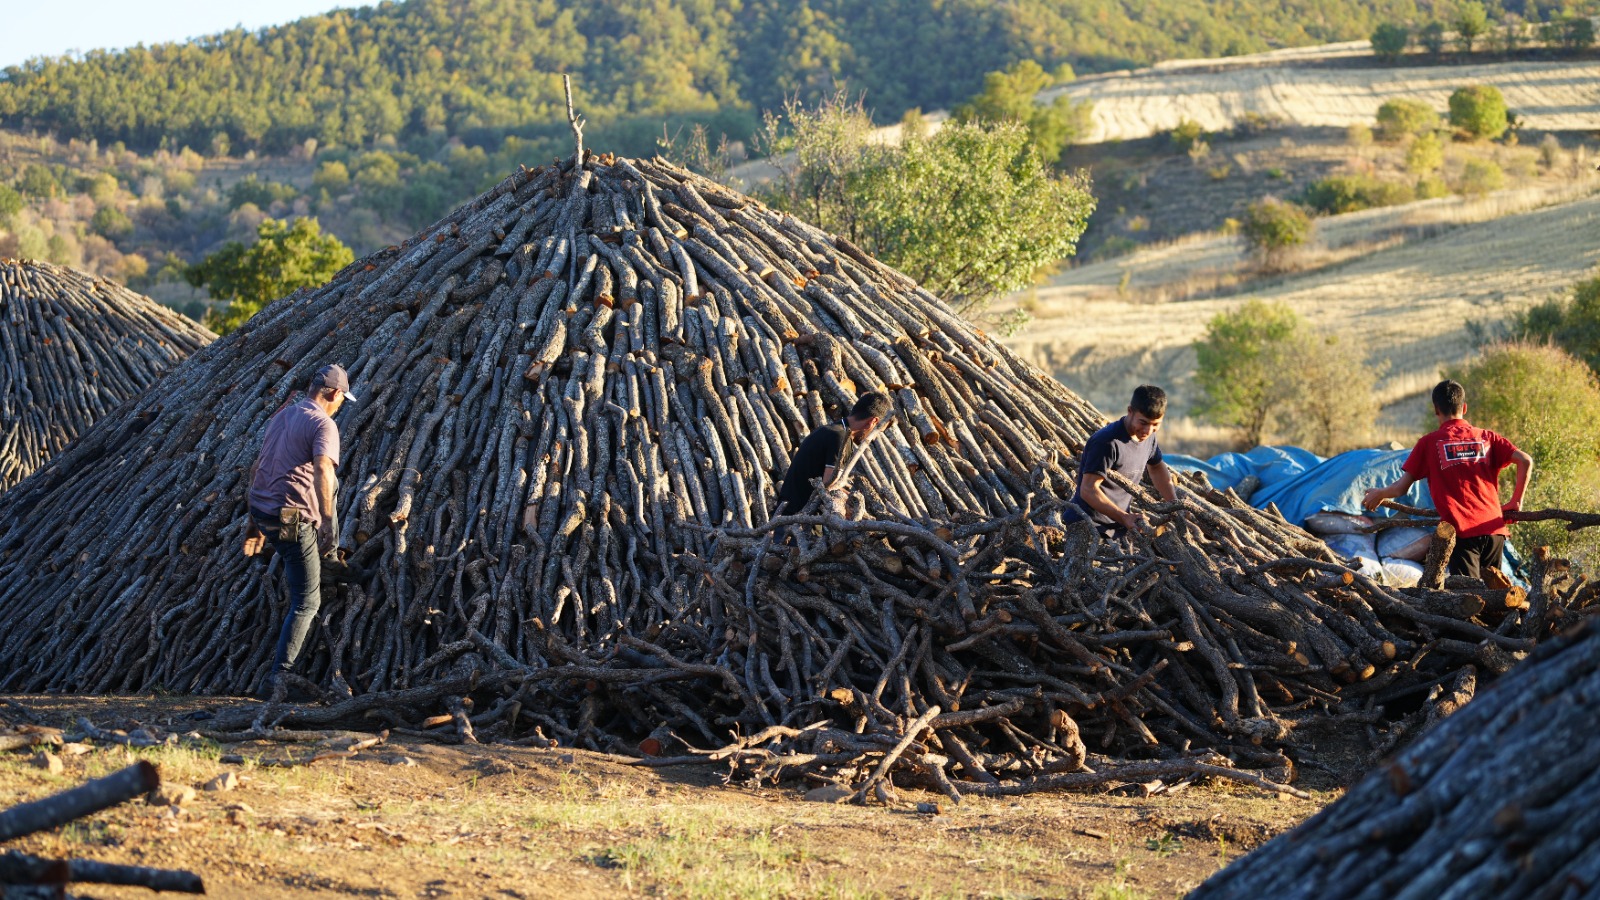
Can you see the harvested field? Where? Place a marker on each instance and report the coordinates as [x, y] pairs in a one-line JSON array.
[[1106, 327], [73, 348], [1546, 96]]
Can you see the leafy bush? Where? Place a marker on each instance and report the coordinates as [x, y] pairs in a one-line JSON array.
[[1430, 187], [1479, 111], [10, 203], [1546, 402], [1261, 365], [1431, 37], [1472, 22], [1576, 32], [284, 258], [1273, 229], [1571, 322], [332, 176], [1425, 155], [262, 194], [970, 212], [1008, 96], [1480, 176], [38, 181], [1186, 135], [1389, 41], [110, 222], [1402, 118], [1351, 193]]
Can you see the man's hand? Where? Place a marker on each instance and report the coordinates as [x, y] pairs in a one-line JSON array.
[[1374, 498], [1512, 506], [328, 535], [254, 540], [1135, 522]]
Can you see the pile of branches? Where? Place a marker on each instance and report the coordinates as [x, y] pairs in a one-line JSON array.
[[1499, 801], [72, 349], [24, 875], [984, 655], [564, 385], [579, 393]]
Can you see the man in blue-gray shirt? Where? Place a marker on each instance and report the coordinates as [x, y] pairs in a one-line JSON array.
[[292, 505], [1128, 447]]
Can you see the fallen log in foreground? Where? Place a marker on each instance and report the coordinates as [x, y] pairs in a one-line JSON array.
[[1499, 801], [22, 870]]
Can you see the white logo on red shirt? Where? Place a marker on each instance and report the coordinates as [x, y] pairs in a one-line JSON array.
[[1456, 453]]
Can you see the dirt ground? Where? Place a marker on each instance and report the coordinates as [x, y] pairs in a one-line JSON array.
[[420, 819]]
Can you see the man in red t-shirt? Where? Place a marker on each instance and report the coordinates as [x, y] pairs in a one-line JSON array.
[[1462, 465]]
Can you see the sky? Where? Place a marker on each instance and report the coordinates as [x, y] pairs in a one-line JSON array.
[[53, 27]]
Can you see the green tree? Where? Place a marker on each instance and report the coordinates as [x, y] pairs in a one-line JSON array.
[[1425, 155], [284, 258], [1402, 118], [1472, 23], [1571, 322], [1545, 401], [1273, 229], [251, 189], [1240, 361], [1009, 96], [1334, 405], [1431, 37], [1338, 194], [110, 222], [1577, 32], [38, 181], [332, 176], [1479, 111], [969, 212], [10, 203], [1389, 41]]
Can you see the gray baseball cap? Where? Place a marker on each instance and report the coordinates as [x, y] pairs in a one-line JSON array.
[[333, 376]]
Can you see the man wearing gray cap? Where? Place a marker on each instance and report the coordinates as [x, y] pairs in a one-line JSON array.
[[292, 491]]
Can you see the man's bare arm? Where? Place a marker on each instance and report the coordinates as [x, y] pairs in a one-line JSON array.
[[1161, 477], [1375, 496], [326, 485], [1524, 464], [1098, 501]]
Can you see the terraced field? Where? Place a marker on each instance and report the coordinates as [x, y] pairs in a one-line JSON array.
[[1547, 96]]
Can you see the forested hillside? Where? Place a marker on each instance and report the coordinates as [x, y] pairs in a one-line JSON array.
[[480, 70]]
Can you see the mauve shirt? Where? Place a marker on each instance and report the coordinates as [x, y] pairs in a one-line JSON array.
[[285, 474]]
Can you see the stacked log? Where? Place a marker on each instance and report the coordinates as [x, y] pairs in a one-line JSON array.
[[1495, 802], [72, 349], [579, 394]]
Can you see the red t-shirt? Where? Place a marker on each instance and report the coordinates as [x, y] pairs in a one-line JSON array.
[[1462, 465]]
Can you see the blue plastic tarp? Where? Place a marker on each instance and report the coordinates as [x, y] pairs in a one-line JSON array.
[[1301, 489]]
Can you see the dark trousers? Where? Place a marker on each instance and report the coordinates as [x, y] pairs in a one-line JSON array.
[[296, 545], [1475, 554]]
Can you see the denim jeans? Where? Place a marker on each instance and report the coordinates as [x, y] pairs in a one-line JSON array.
[[296, 545]]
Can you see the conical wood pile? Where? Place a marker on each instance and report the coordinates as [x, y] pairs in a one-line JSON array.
[[72, 349], [578, 394]]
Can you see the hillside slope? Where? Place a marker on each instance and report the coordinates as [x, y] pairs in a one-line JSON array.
[[482, 69], [1410, 303], [1548, 96]]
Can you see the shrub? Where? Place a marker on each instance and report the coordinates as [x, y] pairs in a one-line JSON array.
[[1577, 32], [1187, 135], [38, 181], [1550, 152], [1571, 322], [1425, 155], [1430, 187], [1472, 22], [1273, 229], [1481, 176], [262, 194], [1008, 96], [1261, 365], [1403, 118], [1545, 401], [1358, 135], [1351, 193], [1479, 111], [111, 223], [332, 176], [1389, 41], [10, 203], [1431, 37]]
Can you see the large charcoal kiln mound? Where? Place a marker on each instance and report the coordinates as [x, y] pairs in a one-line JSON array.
[[1498, 801], [579, 392], [74, 347]]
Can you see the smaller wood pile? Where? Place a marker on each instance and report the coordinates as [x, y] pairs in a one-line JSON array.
[[1501, 800], [27, 877], [73, 348]]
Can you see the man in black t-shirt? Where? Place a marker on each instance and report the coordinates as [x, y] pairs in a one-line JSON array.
[[824, 447], [1128, 447]]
